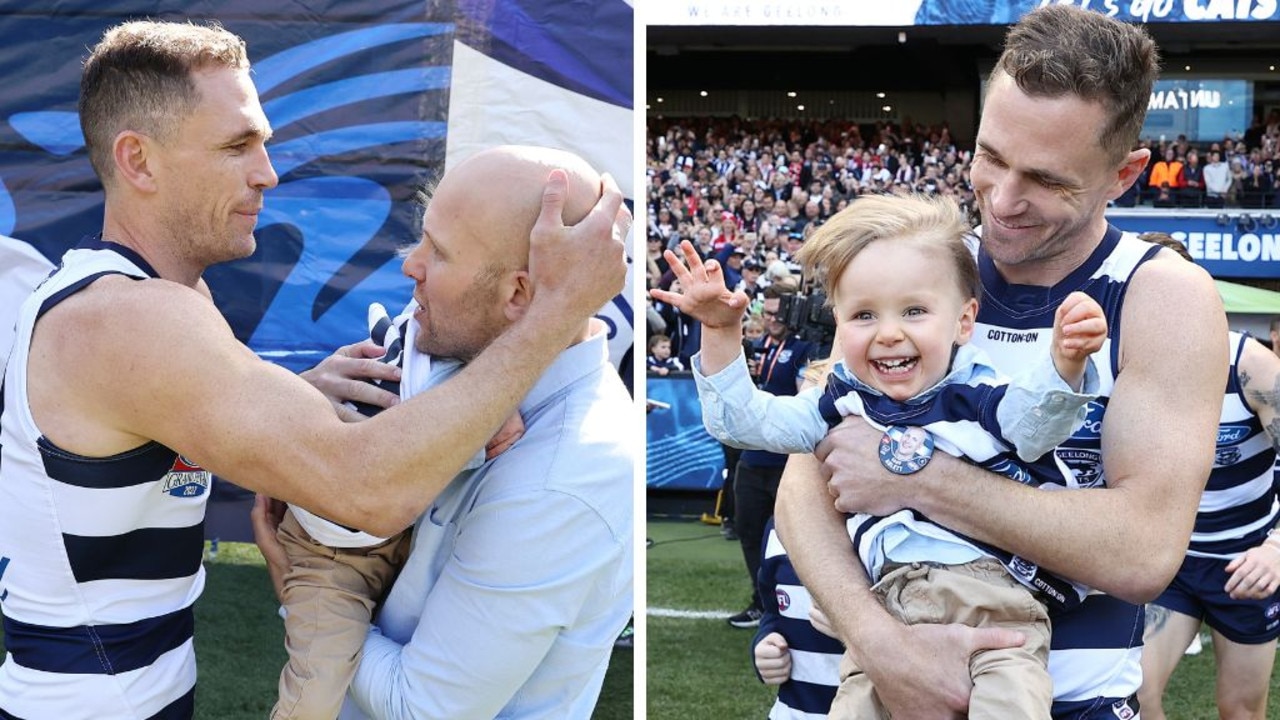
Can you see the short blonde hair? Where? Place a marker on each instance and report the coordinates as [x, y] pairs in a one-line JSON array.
[[935, 221], [139, 77]]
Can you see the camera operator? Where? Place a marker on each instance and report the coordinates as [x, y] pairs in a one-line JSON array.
[[778, 367]]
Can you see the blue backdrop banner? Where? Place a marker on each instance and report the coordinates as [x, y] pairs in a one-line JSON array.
[[360, 95], [681, 455]]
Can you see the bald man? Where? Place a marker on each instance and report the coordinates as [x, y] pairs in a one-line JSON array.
[[520, 573]]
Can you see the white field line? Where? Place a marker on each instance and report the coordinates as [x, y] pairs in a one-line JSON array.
[[689, 614]]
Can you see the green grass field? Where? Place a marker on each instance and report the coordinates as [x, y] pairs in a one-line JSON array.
[[240, 645], [700, 667]]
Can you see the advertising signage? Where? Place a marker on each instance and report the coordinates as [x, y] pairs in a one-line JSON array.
[[1203, 110], [905, 13]]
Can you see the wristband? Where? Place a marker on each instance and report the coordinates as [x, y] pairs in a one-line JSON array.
[[905, 450]]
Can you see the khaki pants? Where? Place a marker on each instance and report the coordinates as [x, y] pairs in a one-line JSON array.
[[1008, 683], [330, 594]]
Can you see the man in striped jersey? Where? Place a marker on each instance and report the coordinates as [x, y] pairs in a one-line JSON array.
[[1231, 572], [126, 388], [1062, 114]]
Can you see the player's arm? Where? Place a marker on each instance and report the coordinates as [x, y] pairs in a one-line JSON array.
[[920, 671], [1129, 538], [1256, 572], [1259, 371]]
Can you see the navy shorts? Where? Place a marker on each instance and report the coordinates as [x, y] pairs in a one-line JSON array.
[[1097, 709], [1197, 591]]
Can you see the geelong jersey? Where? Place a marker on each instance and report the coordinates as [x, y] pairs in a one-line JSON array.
[[966, 416], [100, 558], [1239, 502], [815, 657], [1095, 647]]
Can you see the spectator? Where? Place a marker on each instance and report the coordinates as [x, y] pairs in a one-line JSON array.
[[1192, 193], [1256, 188], [750, 278], [1235, 192], [685, 332], [1217, 181], [662, 226], [1167, 173], [654, 259], [732, 259], [660, 361]]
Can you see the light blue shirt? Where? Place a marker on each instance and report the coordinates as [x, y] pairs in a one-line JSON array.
[[520, 575]]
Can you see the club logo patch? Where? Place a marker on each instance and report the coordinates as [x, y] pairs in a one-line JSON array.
[[185, 479], [1024, 569], [905, 450], [784, 600], [1086, 464], [1226, 456]]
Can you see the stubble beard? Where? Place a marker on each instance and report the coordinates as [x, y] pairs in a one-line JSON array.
[[471, 333]]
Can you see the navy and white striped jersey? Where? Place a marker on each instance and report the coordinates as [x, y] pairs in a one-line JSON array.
[[974, 413], [100, 558], [815, 657], [1239, 505], [1096, 647]]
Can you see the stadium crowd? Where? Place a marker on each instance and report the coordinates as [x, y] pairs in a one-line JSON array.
[[749, 192]]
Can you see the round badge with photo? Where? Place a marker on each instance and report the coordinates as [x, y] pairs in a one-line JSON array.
[[905, 449]]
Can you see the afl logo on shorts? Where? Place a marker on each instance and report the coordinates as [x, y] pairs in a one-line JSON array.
[[1273, 610], [185, 479], [1123, 710], [784, 600]]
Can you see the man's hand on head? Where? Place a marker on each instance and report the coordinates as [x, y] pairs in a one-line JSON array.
[[581, 267]]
